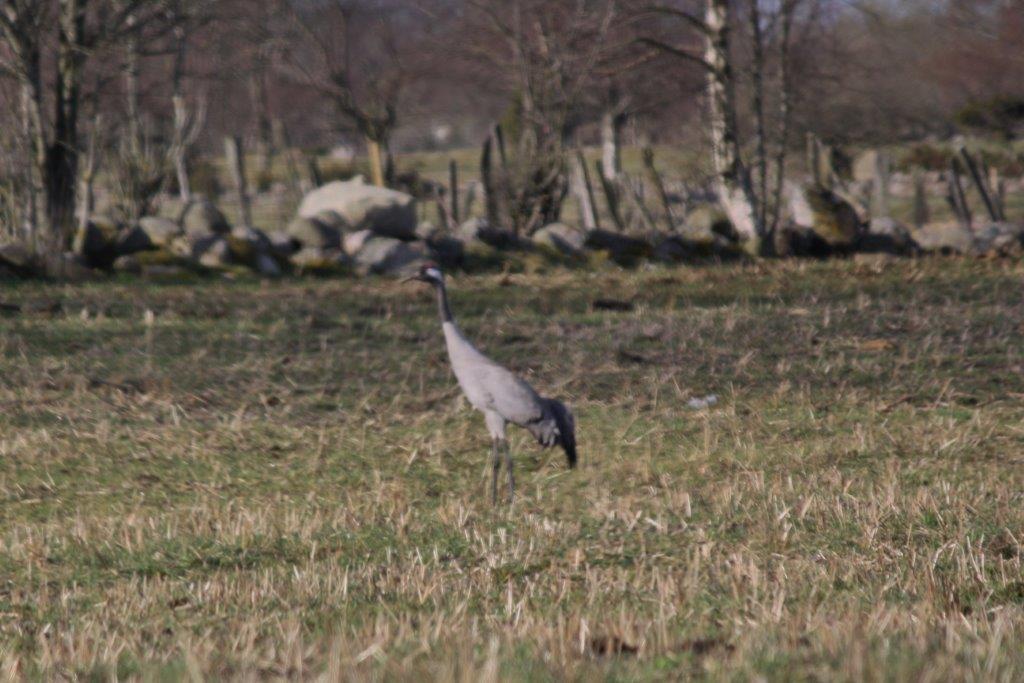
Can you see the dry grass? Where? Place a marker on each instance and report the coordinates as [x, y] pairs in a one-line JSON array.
[[281, 480]]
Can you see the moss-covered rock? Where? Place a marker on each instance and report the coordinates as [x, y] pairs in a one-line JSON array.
[[834, 220], [315, 261], [311, 232]]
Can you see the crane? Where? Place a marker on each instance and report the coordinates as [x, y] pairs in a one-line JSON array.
[[499, 394]]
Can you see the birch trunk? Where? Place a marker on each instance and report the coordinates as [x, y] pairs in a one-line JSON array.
[[611, 144], [734, 184]]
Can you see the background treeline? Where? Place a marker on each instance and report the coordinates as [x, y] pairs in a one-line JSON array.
[[140, 92]]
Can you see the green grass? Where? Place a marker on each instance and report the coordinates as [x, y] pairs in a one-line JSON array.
[[282, 480]]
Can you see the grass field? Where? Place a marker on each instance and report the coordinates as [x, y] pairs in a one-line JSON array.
[[281, 480]]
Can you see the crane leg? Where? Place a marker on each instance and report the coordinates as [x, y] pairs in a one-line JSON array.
[[495, 467], [511, 477]]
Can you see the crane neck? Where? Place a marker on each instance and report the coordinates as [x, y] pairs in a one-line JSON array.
[[442, 303]]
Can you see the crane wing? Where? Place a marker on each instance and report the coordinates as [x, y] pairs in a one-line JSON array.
[[510, 396]]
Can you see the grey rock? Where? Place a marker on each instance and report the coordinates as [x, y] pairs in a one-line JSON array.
[[160, 230], [67, 267], [365, 207], [479, 230], [387, 256], [948, 238], [562, 238], [283, 245], [267, 266], [200, 219], [354, 241], [133, 240], [18, 259], [450, 252], [999, 239], [310, 232], [212, 252], [620, 248], [316, 260], [95, 242]]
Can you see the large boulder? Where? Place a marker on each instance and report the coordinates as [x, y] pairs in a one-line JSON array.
[[821, 223], [365, 207], [18, 259], [333, 219], [944, 238], [622, 249], [201, 219], [67, 267], [212, 252], [888, 236], [479, 230], [158, 262], [311, 232], [252, 248], [999, 239], [707, 220], [314, 260], [283, 245], [449, 251], [388, 256], [355, 241], [132, 240], [562, 239], [95, 242], [159, 230]]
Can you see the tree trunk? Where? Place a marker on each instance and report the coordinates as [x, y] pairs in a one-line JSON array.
[[957, 198], [611, 143], [735, 187], [88, 198], [37, 204], [264, 132], [180, 148], [131, 86], [184, 130], [611, 198], [62, 171], [236, 164], [659, 187], [759, 112], [373, 150], [584, 192], [880, 185], [785, 94], [453, 190], [921, 213]]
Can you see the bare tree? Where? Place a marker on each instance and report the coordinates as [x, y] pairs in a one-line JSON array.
[[361, 74], [64, 33], [547, 56], [750, 191]]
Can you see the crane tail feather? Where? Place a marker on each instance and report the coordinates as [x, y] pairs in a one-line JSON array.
[[566, 430]]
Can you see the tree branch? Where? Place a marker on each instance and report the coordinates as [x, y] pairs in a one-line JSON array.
[[678, 52]]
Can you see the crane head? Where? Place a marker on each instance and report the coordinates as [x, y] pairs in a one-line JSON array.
[[429, 272]]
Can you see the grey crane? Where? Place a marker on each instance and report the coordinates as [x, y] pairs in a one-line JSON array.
[[499, 394]]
